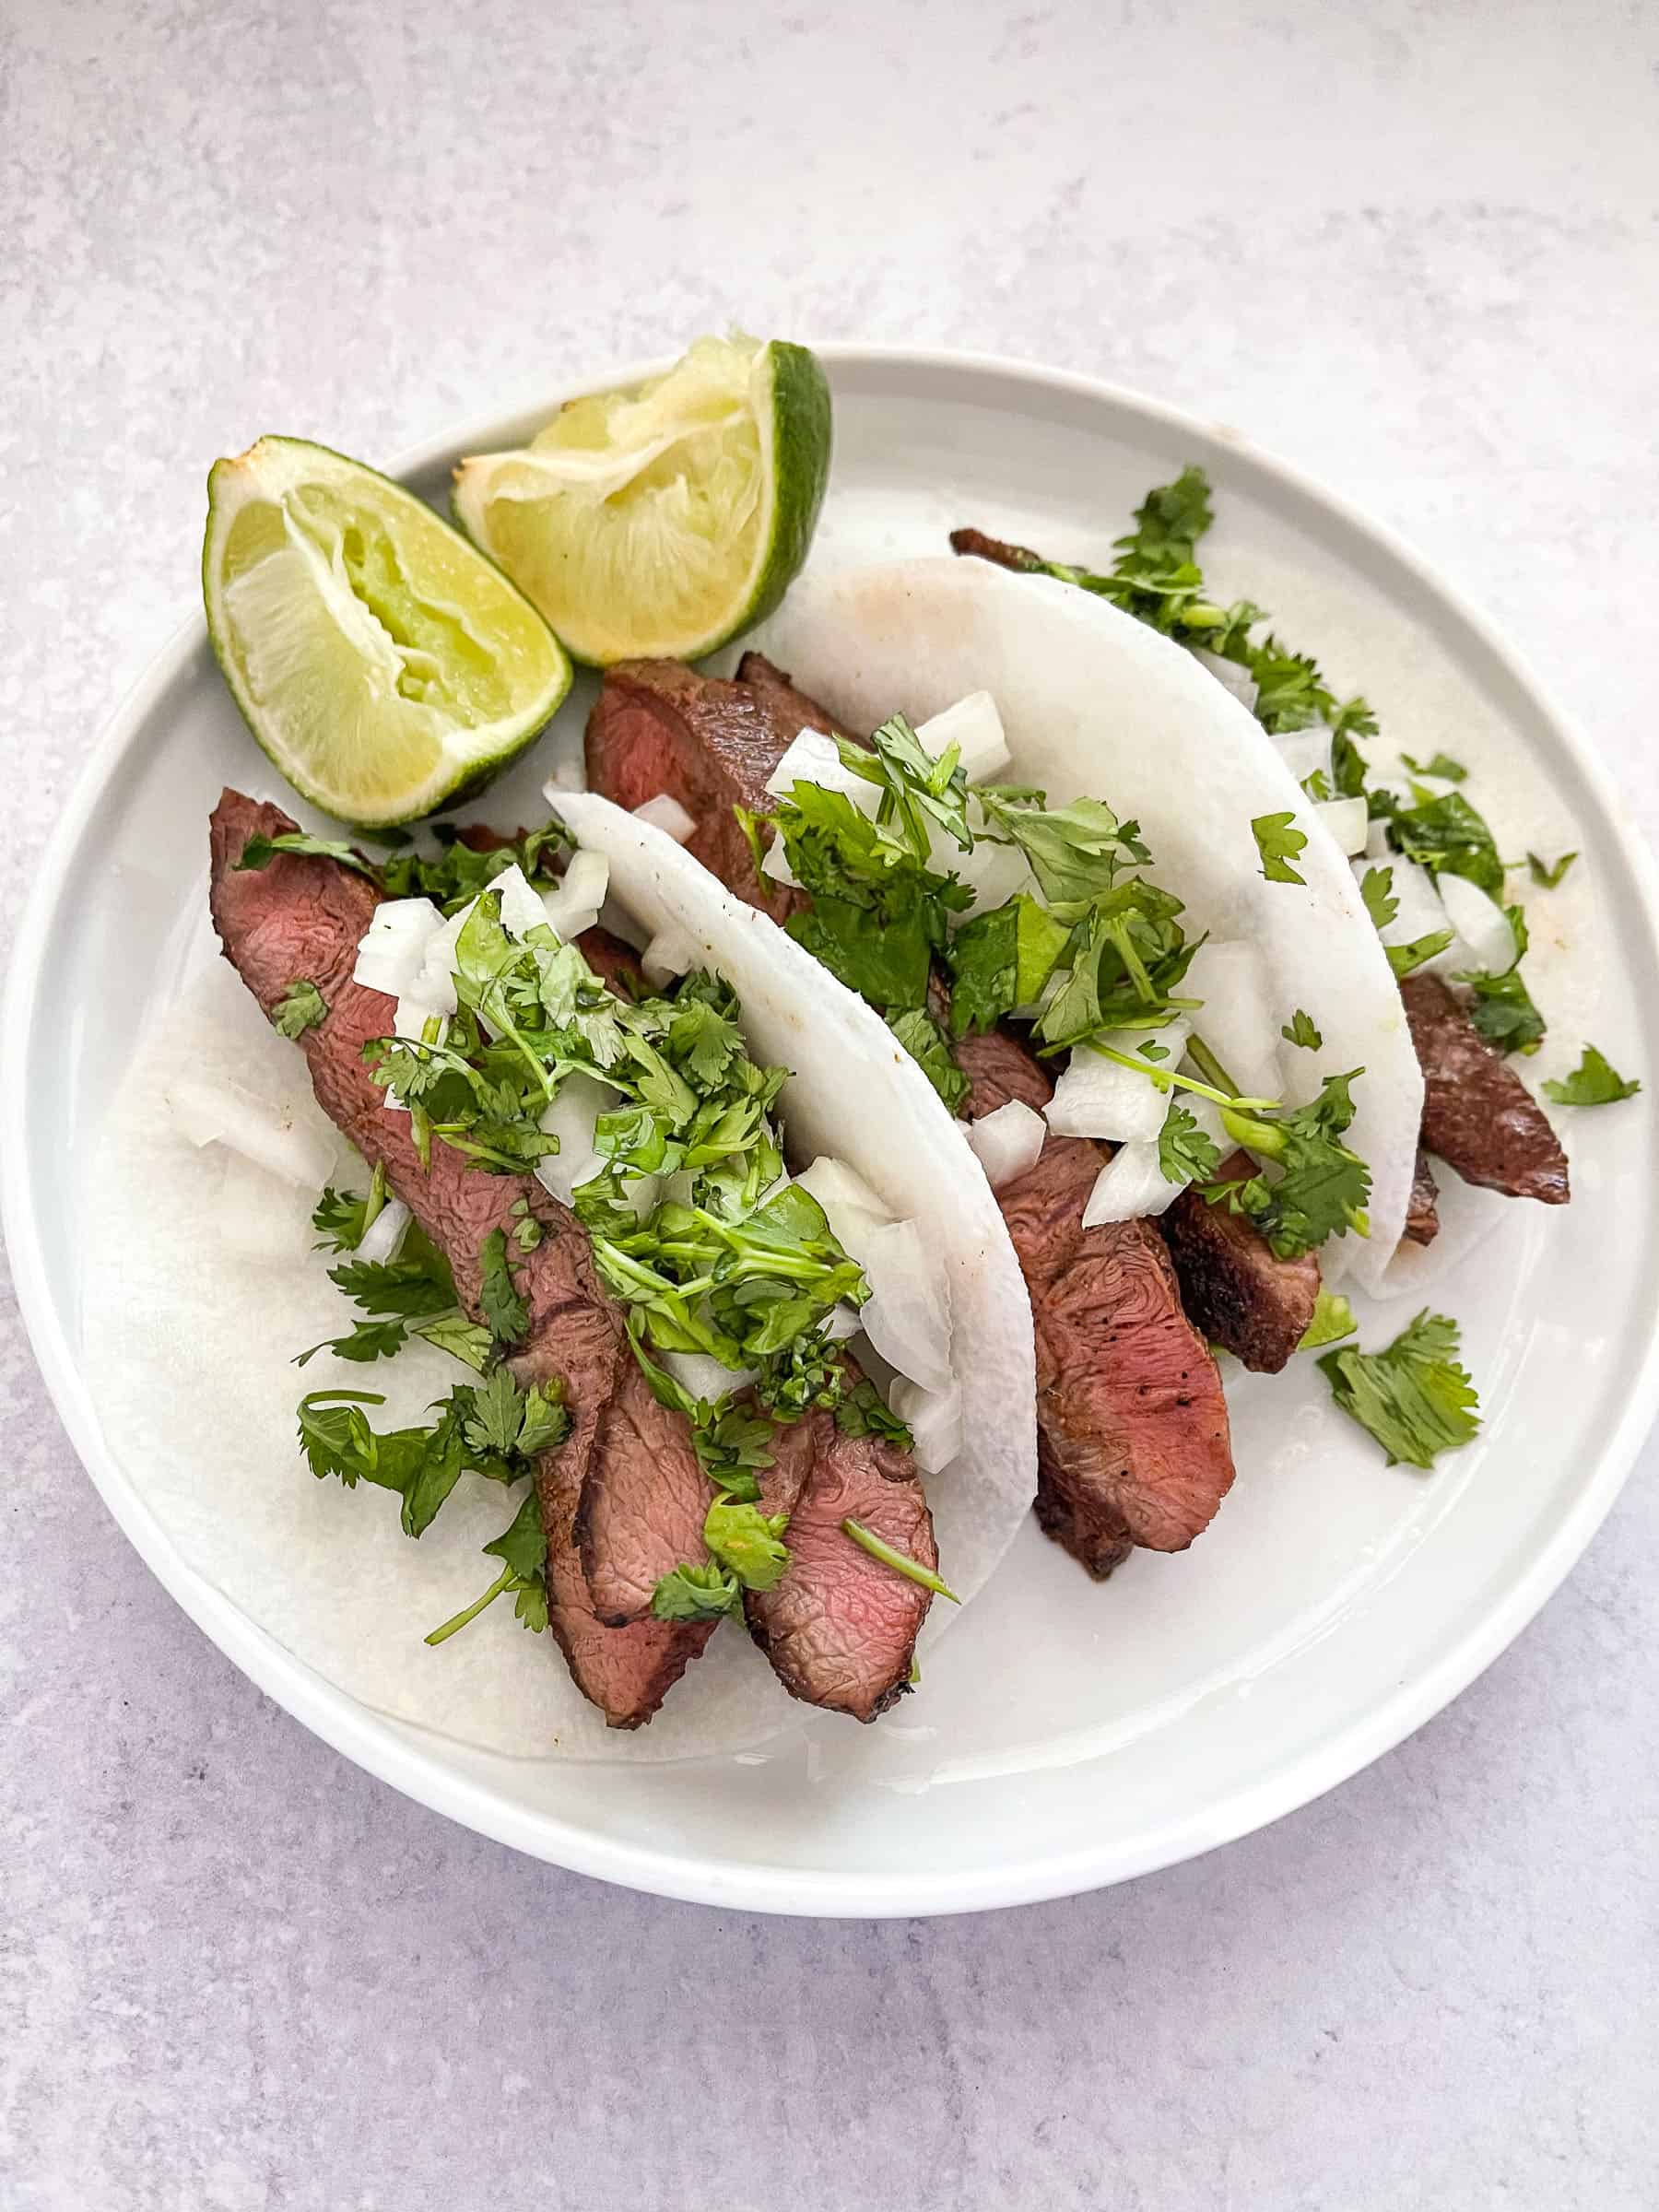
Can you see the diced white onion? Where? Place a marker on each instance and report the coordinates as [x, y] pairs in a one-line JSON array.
[[703, 1377], [1229, 675], [774, 864], [574, 905], [1129, 1187], [934, 1419], [850, 1206], [384, 1233], [1006, 1143], [1236, 1020], [521, 905], [907, 1317], [841, 1322], [814, 759], [1376, 840], [1486, 939], [1305, 752], [393, 946], [669, 953], [1096, 1097], [666, 814], [570, 1118], [974, 724], [1348, 822], [435, 980], [411, 1018], [223, 1113]]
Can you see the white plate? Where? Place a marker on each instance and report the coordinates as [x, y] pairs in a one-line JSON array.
[[1068, 1735]]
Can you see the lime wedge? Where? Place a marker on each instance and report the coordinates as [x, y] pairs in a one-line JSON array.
[[382, 664], [659, 522]]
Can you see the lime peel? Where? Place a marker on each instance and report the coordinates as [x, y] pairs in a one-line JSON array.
[[658, 522], [385, 666]]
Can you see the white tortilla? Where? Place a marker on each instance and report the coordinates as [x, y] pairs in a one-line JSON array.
[[201, 1285], [1095, 703]]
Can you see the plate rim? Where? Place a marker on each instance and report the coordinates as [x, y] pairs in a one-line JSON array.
[[383, 1749]]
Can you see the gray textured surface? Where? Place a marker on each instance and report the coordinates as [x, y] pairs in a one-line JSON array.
[[1411, 247]]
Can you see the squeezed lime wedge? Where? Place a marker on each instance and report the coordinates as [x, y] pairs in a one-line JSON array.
[[659, 522], [381, 663]]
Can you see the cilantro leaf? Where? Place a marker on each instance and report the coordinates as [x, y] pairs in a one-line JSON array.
[[746, 1542], [259, 851], [1127, 958], [523, 1548], [417, 1282], [1447, 836], [1442, 766], [1278, 841], [1300, 1030], [341, 1219], [1501, 1008], [1593, 1083], [706, 1593], [1414, 1397], [1376, 888], [1406, 959], [1322, 1187], [862, 1411], [929, 1047], [1076, 852], [335, 1437], [301, 1008], [505, 1313], [1184, 1153], [1546, 874], [1332, 1319], [1001, 959]]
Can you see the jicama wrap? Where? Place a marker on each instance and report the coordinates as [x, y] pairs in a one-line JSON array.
[[203, 1285], [1094, 703]]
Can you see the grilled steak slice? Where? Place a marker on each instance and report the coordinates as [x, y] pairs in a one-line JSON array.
[[658, 726], [1477, 1114], [840, 1629], [1233, 1286], [1133, 1443], [1422, 1214], [303, 917], [790, 709]]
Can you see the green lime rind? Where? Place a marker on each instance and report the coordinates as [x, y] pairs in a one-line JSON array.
[[503, 653]]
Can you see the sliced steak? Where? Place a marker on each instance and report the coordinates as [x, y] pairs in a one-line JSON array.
[[1233, 1286], [657, 727], [1422, 1214], [304, 917], [840, 1629], [1133, 1446], [1477, 1114]]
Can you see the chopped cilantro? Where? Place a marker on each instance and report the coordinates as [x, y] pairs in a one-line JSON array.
[[746, 1542], [929, 1047], [1449, 837], [1593, 1082], [1376, 888], [505, 1311], [1332, 1319], [523, 1548], [1406, 959], [1443, 766], [1546, 874], [301, 1008], [1300, 1030], [1322, 1188], [1184, 1153], [1278, 841], [1414, 1397], [706, 1593], [259, 851], [862, 1411], [1502, 1009]]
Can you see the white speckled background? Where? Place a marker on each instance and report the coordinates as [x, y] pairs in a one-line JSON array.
[[1413, 248]]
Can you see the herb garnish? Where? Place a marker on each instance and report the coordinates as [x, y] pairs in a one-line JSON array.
[[1300, 1030], [1443, 766], [1593, 1082], [900, 1561], [1278, 841], [1414, 1397], [1546, 874], [301, 1008]]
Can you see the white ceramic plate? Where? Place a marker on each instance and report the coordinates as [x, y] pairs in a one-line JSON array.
[[1068, 1735]]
